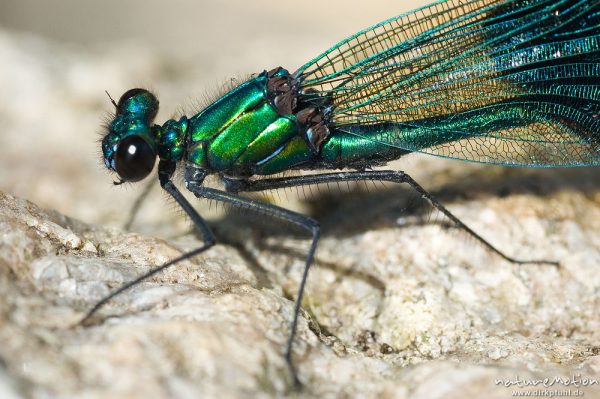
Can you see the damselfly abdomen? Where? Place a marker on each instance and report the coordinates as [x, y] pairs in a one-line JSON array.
[[510, 82]]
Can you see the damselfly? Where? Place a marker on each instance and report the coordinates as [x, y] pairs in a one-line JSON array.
[[505, 82]]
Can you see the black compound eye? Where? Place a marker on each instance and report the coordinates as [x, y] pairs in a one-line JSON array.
[[134, 159]]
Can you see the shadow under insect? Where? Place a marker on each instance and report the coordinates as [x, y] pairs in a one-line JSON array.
[[349, 210]]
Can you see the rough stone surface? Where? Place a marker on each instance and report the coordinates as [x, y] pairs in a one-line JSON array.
[[407, 311], [398, 305]]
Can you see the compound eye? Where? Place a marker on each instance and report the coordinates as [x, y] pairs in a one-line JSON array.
[[134, 158]]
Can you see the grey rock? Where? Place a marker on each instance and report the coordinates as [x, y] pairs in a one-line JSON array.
[[390, 312]]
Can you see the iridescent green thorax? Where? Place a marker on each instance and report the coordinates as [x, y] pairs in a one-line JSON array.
[[257, 128]]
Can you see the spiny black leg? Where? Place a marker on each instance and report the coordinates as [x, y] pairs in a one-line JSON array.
[[378, 175], [138, 204], [165, 172], [275, 211]]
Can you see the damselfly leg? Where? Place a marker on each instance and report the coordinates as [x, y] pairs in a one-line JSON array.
[[165, 172], [137, 205], [194, 178], [194, 184], [245, 185], [274, 211]]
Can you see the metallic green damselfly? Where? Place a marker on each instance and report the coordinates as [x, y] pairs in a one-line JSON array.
[[505, 82]]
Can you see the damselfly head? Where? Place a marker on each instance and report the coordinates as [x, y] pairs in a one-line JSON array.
[[129, 147]]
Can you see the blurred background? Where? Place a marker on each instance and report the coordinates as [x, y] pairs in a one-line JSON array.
[[58, 58]]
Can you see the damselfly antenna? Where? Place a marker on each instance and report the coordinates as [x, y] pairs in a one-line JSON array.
[[111, 99]]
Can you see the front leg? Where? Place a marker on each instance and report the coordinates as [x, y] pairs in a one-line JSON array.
[[165, 171]]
